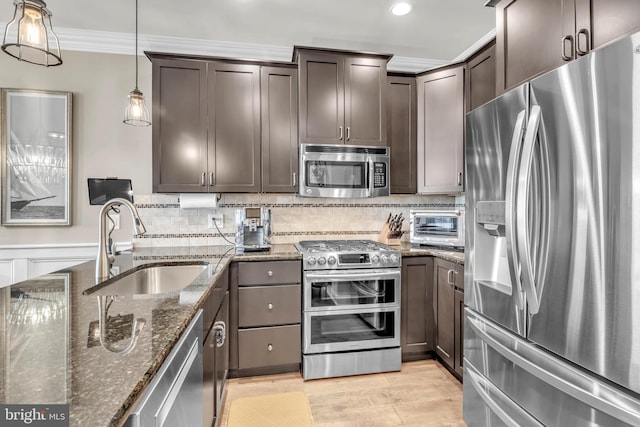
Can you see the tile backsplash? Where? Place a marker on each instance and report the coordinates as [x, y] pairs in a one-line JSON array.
[[293, 218]]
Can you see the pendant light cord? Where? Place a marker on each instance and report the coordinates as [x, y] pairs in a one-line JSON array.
[[136, 44]]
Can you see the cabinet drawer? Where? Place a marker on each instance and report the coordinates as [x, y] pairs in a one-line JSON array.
[[269, 305], [260, 347], [266, 273]]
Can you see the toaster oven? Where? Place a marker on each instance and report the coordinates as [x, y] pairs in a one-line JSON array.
[[437, 228]]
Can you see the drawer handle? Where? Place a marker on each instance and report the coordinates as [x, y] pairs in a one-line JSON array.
[[270, 306], [270, 273], [269, 347]]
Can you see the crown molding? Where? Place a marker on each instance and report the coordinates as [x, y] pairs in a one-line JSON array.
[[476, 46], [124, 44], [72, 39]]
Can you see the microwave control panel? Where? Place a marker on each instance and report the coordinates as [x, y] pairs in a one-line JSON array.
[[379, 175]]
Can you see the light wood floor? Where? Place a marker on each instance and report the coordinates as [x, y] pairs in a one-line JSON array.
[[423, 394]]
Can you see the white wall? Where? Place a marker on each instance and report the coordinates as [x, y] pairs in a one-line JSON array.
[[102, 144]]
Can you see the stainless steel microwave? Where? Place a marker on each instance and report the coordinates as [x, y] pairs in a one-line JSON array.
[[438, 228], [334, 170]]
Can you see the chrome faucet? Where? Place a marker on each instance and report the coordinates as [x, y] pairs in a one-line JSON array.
[[104, 259]]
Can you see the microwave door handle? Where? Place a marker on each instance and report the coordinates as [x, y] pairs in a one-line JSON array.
[[371, 176]]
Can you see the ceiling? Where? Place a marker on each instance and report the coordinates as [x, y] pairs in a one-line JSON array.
[[435, 32]]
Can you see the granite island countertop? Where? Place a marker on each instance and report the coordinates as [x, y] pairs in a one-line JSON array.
[[51, 348], [50, 344]]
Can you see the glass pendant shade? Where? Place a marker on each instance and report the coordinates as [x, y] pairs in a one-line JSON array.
[[29, 36], [136, 113]]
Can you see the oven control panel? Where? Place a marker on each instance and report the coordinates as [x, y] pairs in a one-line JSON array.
[[352, 260]]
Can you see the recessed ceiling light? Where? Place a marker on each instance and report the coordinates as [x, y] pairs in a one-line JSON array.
[[401, 8]]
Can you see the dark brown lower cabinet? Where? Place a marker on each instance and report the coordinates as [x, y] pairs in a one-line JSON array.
[[215, 360], [444, 309], [416, 308], [449, 294], [458, 331], [266, 317]]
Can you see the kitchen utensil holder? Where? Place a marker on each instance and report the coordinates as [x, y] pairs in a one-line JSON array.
[[387, 238]]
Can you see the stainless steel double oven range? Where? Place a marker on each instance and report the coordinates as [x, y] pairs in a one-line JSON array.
[[351, 303]]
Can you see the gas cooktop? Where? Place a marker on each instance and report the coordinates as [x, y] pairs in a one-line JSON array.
[[342, 254]]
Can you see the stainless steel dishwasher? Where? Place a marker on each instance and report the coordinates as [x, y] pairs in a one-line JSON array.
[[174, 396]]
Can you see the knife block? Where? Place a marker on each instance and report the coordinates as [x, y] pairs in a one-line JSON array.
[[384, 236]]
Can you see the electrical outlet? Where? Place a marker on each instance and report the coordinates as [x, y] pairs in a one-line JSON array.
[[215, 219]]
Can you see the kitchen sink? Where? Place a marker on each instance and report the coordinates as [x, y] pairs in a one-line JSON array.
[[149, 280]]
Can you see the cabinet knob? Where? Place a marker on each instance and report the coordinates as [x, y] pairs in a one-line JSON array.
[[269, 347], [270, 273], [270, 306]]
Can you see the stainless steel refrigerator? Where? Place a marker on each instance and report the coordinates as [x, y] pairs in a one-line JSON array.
[[552, 269]]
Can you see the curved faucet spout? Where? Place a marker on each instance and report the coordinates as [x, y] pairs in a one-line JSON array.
[[104, 260], [136, 327]]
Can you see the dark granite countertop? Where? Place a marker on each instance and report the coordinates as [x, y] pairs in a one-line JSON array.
[[51, 353], [453, 255], [50, 346]]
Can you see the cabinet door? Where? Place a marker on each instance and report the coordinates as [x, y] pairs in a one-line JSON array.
[[458, 321], [441, 131], [179, 125], [458, 330], [480, 78], [321, 99], [610, 19], [279, 96], [234, 127], [416, 307], [444, 310], [401, 133], [221, 365], [365, 84], [529, 38]]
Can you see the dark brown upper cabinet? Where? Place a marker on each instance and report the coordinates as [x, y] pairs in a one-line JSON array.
[[342, 97], [206, 126], [234, 127], [535, 36], [401, 133], [179, 114], [279, 87], [480, 78], [440, 147]]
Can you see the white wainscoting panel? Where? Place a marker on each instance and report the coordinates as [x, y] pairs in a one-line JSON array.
[[22, 262]]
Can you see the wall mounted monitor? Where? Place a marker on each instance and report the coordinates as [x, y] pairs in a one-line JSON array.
[[102, 190]]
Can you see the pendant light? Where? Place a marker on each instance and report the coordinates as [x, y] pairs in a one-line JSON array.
[[136, 113], [35, 42]]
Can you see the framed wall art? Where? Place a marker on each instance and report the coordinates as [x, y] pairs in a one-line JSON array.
[[36, 157]]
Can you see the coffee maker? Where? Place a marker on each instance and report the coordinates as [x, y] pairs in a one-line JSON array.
[[253, 230]]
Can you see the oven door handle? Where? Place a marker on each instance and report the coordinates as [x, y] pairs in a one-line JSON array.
[[352, 276]]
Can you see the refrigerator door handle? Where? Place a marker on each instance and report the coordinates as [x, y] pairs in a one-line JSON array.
[[522, 237], [561, 376], [510, 198], [497, 401]]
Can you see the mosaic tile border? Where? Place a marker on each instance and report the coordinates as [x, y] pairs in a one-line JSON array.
[[310, 205], [275, 234]]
